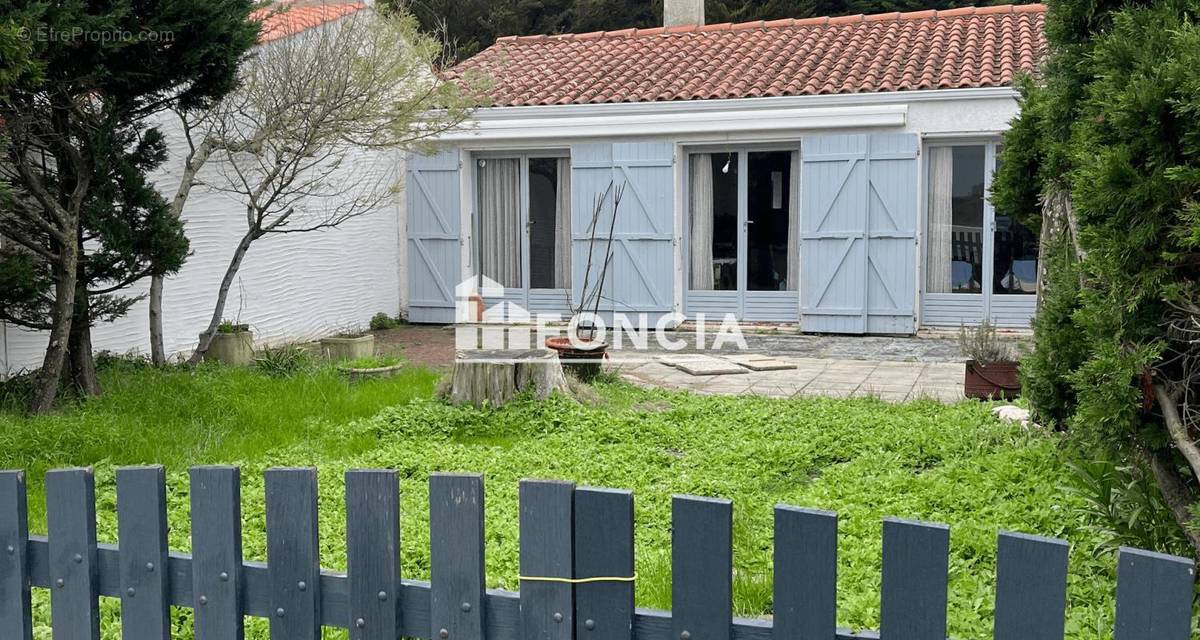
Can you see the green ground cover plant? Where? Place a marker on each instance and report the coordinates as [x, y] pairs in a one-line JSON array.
[[862, 458]]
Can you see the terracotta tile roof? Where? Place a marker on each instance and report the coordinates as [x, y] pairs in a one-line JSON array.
[[289, 18], [967, 47]]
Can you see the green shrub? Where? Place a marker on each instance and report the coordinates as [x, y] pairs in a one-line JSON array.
[[16, 393], [1109, 135], [1123, 507], [229, 326], [381, 321], [1059, 347], [284, 361]]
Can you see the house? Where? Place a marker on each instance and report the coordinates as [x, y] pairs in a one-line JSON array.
[[290, 287], [830, 172]]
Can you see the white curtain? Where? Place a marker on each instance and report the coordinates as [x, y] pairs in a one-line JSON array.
[[500, 220], [793, 244], [941, 219], [702, 222], [562, 226]]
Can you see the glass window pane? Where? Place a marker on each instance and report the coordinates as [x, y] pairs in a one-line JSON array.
[[713, 223], [955, 238], [543, 213], [768, 212], [1015, 256]]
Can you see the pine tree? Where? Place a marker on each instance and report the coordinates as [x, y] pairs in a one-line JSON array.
[[1106, 157], [80, 222]]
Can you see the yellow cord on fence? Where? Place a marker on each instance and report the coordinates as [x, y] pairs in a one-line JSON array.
[[578, 580]]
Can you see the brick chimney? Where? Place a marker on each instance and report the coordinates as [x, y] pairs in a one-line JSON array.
[[681, 12]]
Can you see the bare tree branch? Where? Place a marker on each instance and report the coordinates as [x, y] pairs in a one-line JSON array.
[[306, 140]]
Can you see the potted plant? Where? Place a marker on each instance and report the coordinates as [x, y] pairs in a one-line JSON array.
[[233, 344], [371, 367], [351, 343], [580, 351], [991, 368]]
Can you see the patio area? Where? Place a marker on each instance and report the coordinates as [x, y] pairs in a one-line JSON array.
[[891, 368], [890, 381]]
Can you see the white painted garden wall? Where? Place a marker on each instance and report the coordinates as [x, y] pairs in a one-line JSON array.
[[291, 287]]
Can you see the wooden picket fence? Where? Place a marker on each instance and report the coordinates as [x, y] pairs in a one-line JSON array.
[[576, 562]]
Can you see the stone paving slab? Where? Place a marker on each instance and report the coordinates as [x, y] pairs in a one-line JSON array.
[[759, 362], [710, 367]]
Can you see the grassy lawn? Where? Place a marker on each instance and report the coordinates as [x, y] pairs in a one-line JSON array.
[[862, 458]]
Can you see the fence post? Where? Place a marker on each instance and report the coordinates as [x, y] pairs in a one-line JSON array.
[[805, 574], [293, 553], [701, 568], [15, 584], [216, 552], [913, 594], [456, 562], [142, 539], [1031, 587], [373, 553], [71, 527], [1154, 596], [547, 607], [604, 548]]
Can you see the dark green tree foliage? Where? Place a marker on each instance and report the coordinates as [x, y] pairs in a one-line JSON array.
[[80, 222], [1114, 122], [473, 25]]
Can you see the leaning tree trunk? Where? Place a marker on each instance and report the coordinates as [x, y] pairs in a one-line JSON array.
[[493, 377], [60, 332], [158, 354], [214, 322], [81, 370]]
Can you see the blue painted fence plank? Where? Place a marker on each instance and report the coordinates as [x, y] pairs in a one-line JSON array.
[[373, 554], [293, 553], [1154, 596], [701, 568], [217, 552], [805, 574], [71, 528], [547, 607], [456, 562], [1031, 587], [15, 581], [913, 591], [142, 534], [604, 549]]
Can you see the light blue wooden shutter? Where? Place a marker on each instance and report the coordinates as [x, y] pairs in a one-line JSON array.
[[643, 255], [858, 230], [434, 235], [892, 234], [641, 274]]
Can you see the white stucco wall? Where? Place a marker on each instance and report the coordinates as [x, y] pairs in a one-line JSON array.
[[290, 287]]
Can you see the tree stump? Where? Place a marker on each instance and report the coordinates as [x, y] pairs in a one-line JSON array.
[[494, 377]]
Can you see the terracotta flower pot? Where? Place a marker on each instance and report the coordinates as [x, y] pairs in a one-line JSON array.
[[991, 380], [584, 359]]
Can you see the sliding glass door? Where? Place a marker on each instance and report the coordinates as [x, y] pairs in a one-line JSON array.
[[978, 264], [523, 227], [743, 221]]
